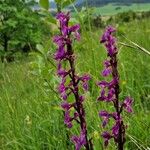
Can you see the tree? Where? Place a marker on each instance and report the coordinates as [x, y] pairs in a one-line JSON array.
[[19, 26]]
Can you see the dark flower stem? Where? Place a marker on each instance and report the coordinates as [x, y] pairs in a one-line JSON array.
[[115, 74], [79, 106]]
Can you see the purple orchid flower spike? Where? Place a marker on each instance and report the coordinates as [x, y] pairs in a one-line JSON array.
[[71, 82], [110, 91]]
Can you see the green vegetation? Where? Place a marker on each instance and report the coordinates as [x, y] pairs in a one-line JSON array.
[[30, 113], [112, 9], [98, 3], [29, 109], [19, 28]]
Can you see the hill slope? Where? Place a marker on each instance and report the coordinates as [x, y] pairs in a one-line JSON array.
[[97, 3], [81, 3]]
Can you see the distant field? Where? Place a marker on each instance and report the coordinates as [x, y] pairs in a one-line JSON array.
[[112, 9]]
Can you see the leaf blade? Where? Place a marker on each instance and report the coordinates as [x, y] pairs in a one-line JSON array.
[[44, 4]]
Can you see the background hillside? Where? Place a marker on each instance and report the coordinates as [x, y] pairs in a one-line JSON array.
[[97, 3]]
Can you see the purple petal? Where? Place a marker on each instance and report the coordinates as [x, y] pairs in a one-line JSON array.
[[102, 96], [68, 119], [85, 78], [109, 41], [62, 89], [58, 40], [60, 54], [77, 36], [113, 83], [60, 71], [74, 28], [79, 141], [66, 105], [115, 129], [85, 86], [107, 136], [81, 98], [65, 31], [127, 104], [106, 72], [105, 115], [111, 29], [111, 94], [103, 84], [107, 63]]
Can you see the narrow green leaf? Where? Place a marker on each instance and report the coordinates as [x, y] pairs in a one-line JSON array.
[[67, 3], [44, 4], [51, 19], [58, 1]]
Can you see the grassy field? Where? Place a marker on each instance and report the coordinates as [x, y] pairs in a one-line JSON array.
[[112, 9], [30, 116]]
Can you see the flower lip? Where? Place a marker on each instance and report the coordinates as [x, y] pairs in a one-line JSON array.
[[107, 136], [127, 104], [105, 115], [79, 141]]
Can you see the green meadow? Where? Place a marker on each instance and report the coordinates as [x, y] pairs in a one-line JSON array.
[[112, 9]]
